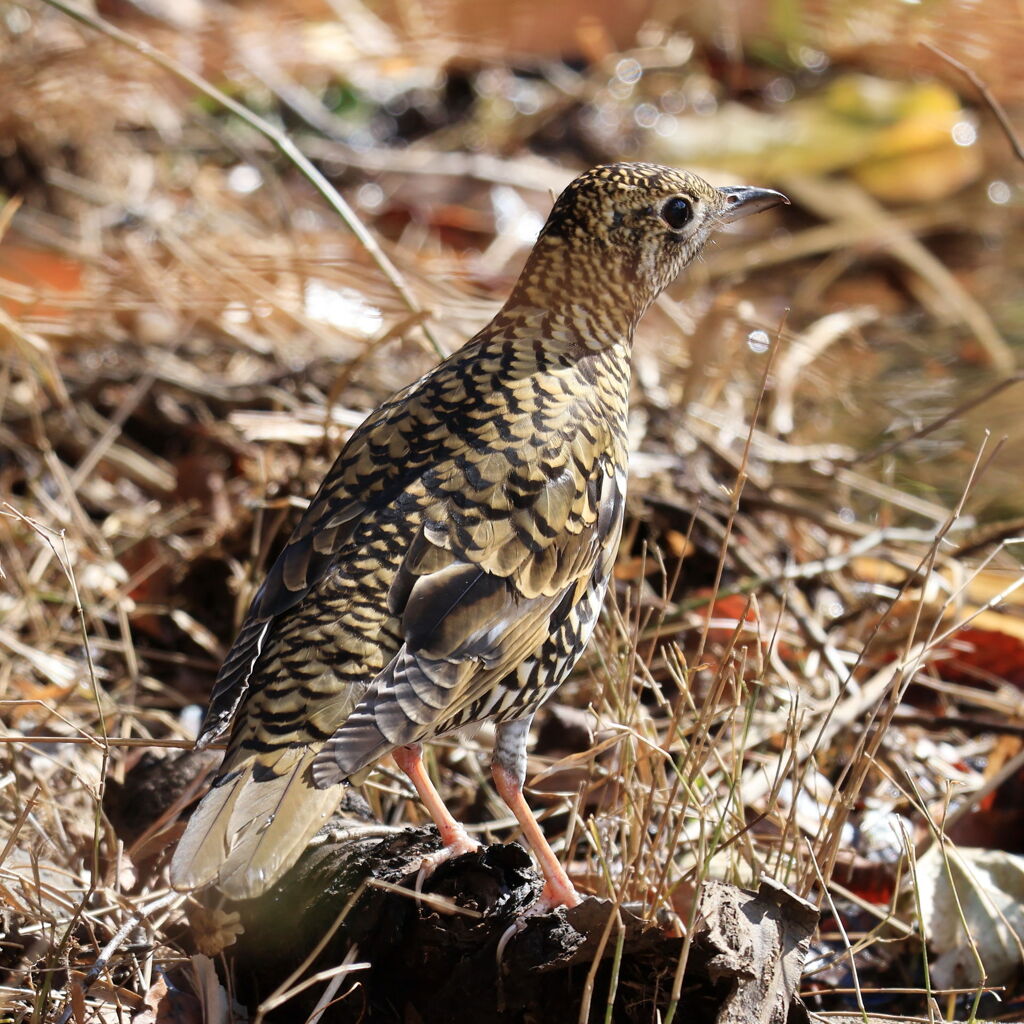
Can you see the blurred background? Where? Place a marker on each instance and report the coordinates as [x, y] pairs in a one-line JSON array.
[[188, 332], [136, 207]]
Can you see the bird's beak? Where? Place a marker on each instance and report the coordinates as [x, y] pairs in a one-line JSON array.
[[742, 200]]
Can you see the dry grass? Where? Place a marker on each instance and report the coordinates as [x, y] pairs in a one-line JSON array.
[[169, 398]]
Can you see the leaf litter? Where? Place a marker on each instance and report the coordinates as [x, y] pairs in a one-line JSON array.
[[812, 665]]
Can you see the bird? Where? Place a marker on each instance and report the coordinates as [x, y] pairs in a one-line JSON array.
[[451, 568]]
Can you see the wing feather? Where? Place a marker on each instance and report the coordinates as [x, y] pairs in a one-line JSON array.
[[466, 627]]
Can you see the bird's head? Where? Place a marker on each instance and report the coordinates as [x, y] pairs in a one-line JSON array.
[[622, 232]]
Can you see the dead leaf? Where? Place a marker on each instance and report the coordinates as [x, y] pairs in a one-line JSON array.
[[986, 887]]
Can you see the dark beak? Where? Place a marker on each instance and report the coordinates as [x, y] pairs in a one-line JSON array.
[[742, 200]]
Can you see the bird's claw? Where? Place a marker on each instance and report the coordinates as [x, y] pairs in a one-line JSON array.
[[459, 845], [549, 899]]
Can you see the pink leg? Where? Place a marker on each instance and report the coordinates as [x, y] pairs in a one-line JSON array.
[[558, 890], [453, 835]]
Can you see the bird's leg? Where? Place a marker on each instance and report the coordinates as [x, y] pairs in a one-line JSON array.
[[508, 767], [455, 838]]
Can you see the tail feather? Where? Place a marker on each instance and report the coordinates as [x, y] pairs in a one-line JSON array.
[[252, 827]]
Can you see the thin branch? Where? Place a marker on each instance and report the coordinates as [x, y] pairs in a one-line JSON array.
[[930, 428], [986, 94], [126, 741], [282, 142]]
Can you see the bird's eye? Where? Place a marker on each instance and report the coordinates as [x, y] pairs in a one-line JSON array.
[[677, 212]]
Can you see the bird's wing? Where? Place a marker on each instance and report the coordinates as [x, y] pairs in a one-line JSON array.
[[262, 808], [366, 476], [477, 595], [323, 529]]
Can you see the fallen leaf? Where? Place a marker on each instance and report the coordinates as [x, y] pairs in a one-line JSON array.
[[986, 887]]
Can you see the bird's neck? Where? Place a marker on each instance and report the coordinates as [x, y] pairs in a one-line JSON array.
[[572, 357], [587, 299]]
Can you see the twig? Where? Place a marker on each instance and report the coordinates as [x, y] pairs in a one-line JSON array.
[[442, 903], [851, 778], [930, 428], [291, 985], [128, 741], [282, 142], [741, 479], [970, 726], [111, 947], [989, 786], [986, 94], [335, 975], [946, 294], [847, 948], [804, 350]]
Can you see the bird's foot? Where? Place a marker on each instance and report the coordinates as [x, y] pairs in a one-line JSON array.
[[557, 892], [456, 843]]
